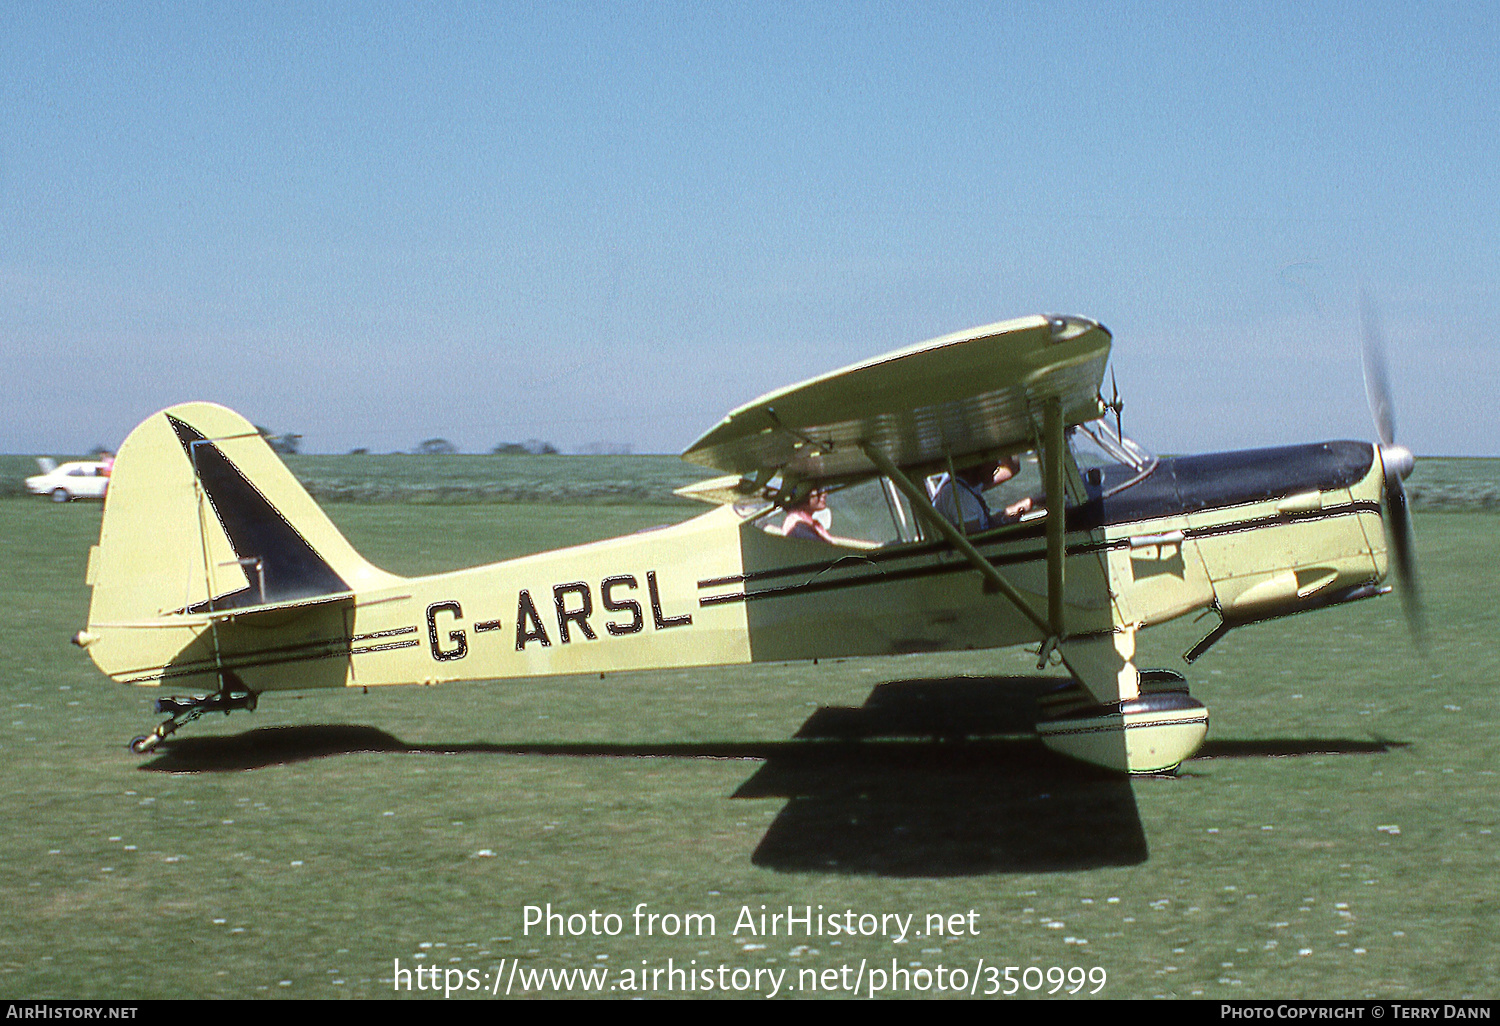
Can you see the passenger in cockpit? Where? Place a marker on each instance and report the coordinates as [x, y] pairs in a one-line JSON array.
[[805, 518]]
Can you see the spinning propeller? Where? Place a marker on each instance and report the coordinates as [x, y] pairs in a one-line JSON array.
[[1397, 462]]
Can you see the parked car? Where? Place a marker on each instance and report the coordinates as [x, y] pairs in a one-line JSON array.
[[77, 480]]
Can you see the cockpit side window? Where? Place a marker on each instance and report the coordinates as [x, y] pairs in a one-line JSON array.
[[868, 514], [988, 495], [873, 511]]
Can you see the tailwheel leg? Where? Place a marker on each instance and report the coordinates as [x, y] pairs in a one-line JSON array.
[[185, 710]]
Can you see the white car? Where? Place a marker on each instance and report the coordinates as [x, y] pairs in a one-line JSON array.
[[80, 480]]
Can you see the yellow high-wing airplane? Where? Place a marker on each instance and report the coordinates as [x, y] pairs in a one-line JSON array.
[[215, 571]]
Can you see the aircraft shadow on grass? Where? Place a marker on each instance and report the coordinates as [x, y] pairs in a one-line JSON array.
[[942, 778], [935, 777], [980, 795]]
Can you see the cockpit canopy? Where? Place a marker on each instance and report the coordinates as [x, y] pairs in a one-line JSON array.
[[871, 511]]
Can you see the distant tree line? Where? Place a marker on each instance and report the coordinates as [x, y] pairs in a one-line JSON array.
[[530, 447], [290, 444], [443, 447]]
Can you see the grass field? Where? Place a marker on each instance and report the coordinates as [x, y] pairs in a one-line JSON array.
[[1337, 836]]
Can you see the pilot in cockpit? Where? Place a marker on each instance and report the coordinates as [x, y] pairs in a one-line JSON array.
[[962, 502]]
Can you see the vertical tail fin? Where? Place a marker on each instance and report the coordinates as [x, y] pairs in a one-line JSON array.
[[202, 516]]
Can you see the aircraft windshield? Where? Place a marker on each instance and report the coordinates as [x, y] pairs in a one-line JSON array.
[[1107, 459]]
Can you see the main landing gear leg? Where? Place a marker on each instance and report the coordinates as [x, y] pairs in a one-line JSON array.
[[1118, 717], [233, 695]]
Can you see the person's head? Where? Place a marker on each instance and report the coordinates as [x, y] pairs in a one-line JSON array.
[[988, 475], [978, 477], [1006, 469], [812, 502]]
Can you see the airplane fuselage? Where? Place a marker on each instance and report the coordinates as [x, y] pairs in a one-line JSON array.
[[1252, 534]]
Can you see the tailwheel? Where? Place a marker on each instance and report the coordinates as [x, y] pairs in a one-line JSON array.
[[1152, 733], [147, 741], [185, 710]]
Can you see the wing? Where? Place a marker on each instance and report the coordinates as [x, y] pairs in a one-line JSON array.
[[970, 393]]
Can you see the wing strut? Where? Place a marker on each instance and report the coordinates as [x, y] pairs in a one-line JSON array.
[[1054, 455], [924, 508]]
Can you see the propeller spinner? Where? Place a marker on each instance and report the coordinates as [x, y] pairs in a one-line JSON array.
[[1396, 461]]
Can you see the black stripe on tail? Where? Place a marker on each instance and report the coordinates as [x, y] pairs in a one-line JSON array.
[[267, 545]]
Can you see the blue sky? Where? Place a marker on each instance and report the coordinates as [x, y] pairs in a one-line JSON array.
[[613, 222]]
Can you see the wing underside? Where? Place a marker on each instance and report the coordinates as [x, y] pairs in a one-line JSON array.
[[970, 394]]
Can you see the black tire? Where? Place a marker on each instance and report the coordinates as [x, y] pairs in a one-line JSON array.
[[60, 495]]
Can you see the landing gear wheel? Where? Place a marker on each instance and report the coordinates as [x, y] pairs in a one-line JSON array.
[[1146, 736]]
